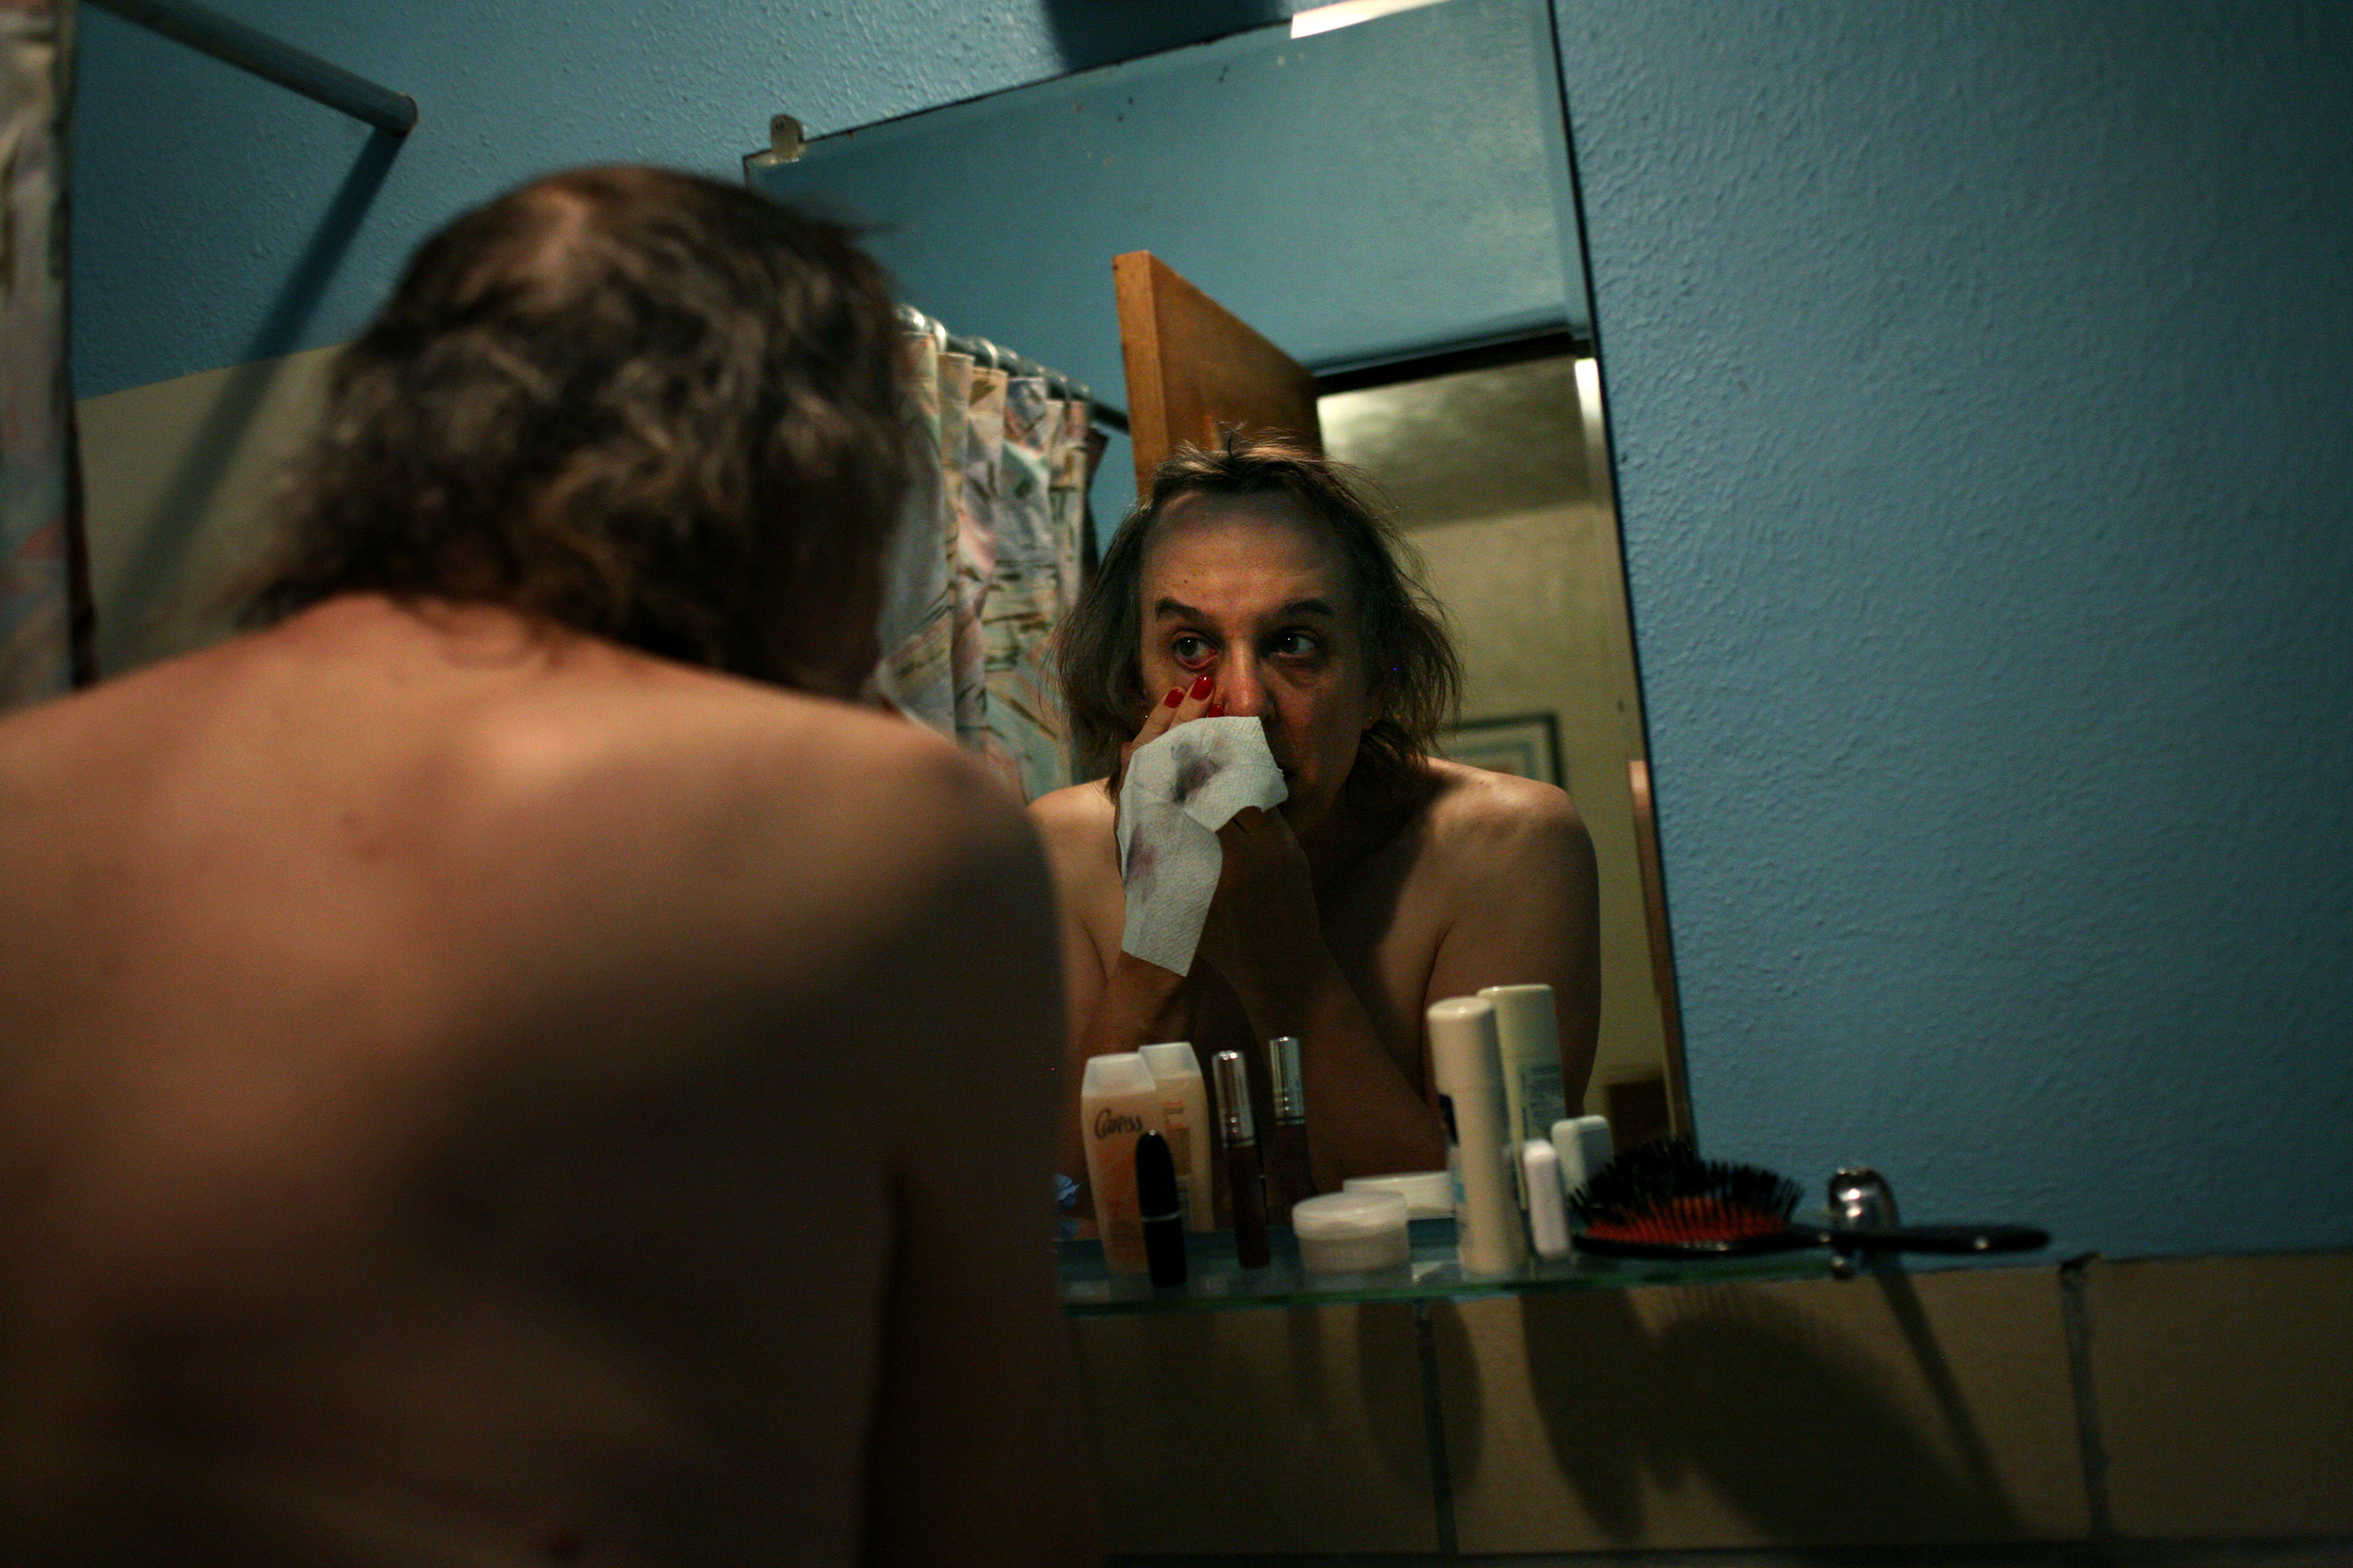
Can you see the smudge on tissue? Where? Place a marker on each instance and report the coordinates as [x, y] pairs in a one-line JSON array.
[[1178, 791]]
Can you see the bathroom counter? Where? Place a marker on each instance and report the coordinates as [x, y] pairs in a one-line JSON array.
[[1217, 1280]]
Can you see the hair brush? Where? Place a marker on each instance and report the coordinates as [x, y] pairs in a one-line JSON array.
[[1662, 1200]]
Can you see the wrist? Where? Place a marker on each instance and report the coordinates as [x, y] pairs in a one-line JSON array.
[[1142, 979], [1138, 1000]]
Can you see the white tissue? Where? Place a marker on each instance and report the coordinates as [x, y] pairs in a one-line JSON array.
[[1178, 791]]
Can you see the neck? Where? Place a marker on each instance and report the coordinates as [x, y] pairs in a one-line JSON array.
[[1331, 841], [1367, 815]]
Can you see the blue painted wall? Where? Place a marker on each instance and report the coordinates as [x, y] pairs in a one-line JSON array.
[[1978, 382], [1981, 385]]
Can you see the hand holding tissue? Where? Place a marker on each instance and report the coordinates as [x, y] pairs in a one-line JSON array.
[[1180, 790]]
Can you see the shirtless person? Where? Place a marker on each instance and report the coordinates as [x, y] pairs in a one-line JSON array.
[[500, 1066], [1255, 580]]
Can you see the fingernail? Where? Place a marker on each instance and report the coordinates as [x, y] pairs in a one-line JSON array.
[[1176, 694], [1217, 709], [1201, 688]]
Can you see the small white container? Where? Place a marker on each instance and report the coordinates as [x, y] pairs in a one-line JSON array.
[[1547, 1215], [1583, 1144], [1350, 1233], [1428, 1195]]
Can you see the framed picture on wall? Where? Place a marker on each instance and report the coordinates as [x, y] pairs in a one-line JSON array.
[[1525, 744]]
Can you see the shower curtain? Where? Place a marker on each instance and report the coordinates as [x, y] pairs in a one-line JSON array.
[[986, 562], [46, 628]]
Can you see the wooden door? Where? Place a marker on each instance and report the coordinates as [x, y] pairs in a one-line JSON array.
[[1194, 365]]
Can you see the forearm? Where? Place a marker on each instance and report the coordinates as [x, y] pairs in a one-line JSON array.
[[1137, 1004], [1365, 1116]]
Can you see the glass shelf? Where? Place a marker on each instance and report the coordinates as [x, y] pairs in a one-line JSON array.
[[1433, 1273]]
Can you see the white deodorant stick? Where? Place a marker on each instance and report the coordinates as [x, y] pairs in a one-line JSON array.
[[1480, 1152], [1527, 1039]]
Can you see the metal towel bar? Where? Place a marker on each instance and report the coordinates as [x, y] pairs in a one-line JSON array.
[[250, 49]]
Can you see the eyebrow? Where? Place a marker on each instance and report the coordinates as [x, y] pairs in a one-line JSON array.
[[1172, 609]]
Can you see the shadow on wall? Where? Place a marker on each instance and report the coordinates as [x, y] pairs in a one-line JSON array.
[[1729, 1403], [1259, 1433], [160, 563]]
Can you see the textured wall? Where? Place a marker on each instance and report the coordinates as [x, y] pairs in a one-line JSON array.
[[1978, 382], [1980, 379]]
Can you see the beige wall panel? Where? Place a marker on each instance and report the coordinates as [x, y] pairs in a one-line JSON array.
[[1923, 1408], [1258, 1431], [2225, 1393], [178, 477]]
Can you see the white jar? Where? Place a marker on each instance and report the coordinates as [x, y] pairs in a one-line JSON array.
[[1428, 1195], [1350, 1233]]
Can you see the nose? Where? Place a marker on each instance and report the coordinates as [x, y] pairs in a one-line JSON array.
[[1241, 688]]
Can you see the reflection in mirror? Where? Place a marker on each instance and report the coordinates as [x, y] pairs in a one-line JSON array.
[[1360, 199], [1500, 476]]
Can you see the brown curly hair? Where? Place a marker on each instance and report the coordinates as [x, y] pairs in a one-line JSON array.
[[634, 403], [1416, 678]]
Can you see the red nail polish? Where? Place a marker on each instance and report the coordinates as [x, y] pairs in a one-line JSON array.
[[1217, 709], [1201, 688], [1176, 694]]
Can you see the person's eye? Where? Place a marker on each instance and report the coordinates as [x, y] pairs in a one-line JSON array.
[[1298, 645], [1189, 649]]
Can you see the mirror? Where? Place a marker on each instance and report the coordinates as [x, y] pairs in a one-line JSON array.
[[1360, 197]]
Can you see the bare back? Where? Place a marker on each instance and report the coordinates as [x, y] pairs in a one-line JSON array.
[[474, 1098]]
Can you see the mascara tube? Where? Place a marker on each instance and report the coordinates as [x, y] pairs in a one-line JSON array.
[[1291, 1179], [1163, 1211], [1238, 1137]]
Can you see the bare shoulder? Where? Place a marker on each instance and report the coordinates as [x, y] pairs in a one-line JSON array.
[[1474, 812], [1079, 827], [627, 806], [1076, 815], [874, 770], [1477, 826], [816, 780]]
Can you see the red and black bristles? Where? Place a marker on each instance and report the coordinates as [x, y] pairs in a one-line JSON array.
[[1662, 1199]]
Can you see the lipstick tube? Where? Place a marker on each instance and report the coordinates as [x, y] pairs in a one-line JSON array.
[[1163, 1214], [1291, 1176], [1236, 1136]]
